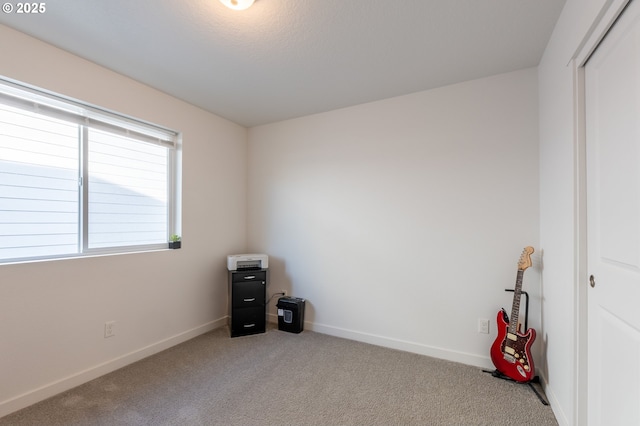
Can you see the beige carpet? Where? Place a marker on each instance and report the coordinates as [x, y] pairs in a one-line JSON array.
[[280, 378]]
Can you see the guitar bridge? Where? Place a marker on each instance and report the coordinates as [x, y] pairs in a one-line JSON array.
[[509, 358]]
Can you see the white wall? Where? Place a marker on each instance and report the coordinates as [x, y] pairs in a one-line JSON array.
[[559, 214], [52, 314], [402, 221]]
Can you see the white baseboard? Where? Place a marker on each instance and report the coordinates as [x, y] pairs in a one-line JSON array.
[[556, 407], [403, 345], [36, 395], [446, 354], [51, 389]]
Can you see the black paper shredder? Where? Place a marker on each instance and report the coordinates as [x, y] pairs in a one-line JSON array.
[[290, 314]]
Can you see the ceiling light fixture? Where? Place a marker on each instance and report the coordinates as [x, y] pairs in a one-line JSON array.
[[237, 4]]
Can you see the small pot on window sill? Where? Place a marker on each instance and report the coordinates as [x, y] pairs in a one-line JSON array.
[[175, 244]]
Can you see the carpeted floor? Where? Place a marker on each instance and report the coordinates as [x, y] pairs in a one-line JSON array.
[[280, 378]]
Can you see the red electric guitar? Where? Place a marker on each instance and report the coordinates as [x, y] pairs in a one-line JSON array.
[[511, 351]]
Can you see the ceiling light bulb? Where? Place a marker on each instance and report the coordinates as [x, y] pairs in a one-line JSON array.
[[237, 4]]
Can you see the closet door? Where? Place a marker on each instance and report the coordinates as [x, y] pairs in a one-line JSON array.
[[612, 78]]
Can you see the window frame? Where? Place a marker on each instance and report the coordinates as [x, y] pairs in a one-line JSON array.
[[87, 116]]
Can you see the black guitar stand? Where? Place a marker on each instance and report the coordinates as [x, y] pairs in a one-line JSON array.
[[536, 379]]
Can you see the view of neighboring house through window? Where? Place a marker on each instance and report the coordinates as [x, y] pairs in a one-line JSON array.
[[38, 185], [78, 180], [127, 191]]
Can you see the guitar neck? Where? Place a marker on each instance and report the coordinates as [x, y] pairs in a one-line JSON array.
[[515, 308]]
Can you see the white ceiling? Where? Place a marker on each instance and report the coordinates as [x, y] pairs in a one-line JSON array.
[[281, 59]]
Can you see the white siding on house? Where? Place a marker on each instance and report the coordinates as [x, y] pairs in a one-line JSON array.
[[38, 185], [128, 189]]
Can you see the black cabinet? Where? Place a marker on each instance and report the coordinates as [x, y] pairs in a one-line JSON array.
[[247, 297]]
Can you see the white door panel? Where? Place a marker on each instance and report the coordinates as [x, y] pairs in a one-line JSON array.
[[612, 78]]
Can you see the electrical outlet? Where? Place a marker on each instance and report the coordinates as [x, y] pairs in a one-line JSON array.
[[109, 329], [483, 325]]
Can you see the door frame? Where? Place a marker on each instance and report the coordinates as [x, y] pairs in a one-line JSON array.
[[610, 12]]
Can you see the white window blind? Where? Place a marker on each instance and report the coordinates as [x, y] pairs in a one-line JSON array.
[[75, 179]]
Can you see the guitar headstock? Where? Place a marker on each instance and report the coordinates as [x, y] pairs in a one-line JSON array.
[[525, 258]]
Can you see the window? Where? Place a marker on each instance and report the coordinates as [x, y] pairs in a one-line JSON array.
[[76, 179]]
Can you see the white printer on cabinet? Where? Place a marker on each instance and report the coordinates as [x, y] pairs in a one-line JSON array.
[[237, 262]]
